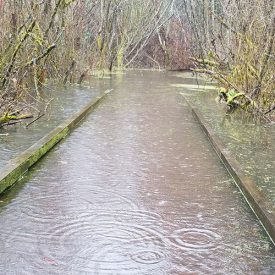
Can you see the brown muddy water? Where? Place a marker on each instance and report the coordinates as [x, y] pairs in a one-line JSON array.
[[136, 189]]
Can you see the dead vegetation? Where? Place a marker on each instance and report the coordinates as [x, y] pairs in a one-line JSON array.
[[234, 43], [64, 39]]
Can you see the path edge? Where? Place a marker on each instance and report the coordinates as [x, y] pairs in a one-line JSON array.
[[255, 198], [18, 166]]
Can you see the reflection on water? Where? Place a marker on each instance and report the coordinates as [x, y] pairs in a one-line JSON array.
[[252, 144], [137, 189]]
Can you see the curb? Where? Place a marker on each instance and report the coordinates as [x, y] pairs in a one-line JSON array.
[[18, 166], [256, 199]]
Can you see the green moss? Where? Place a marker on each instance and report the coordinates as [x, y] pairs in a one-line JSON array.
[[17, 167], [29, 158]]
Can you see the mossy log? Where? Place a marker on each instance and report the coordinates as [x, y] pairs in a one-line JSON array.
[[205, 62], [7, 118]]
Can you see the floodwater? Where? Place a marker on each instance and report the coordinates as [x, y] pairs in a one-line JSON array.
[[67, 100], [136, 189], [251, 143]]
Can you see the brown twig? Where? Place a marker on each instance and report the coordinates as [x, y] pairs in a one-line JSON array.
[[34, 120]]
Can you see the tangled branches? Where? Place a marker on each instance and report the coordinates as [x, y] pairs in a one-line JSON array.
[[65, 38], [235, 44], [27, 42]]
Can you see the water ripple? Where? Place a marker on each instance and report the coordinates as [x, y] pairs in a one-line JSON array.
[[116, 237], [195, 239], [148, 257]]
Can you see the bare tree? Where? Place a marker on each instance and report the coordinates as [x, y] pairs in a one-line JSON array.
[[65, 38]]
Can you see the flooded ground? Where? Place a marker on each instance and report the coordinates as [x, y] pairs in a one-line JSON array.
[[67, 100], [252, 144], [136, 189]]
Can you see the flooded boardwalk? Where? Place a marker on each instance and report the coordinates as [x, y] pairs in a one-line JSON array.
[[136, 189]]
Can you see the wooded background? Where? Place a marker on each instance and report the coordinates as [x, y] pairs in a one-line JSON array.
[[230, 40]]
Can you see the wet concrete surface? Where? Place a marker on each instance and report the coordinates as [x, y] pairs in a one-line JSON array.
[[136, 189]]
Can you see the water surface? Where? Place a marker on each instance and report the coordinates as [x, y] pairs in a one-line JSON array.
[[61, 102], [251, 143], [136, 189]]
